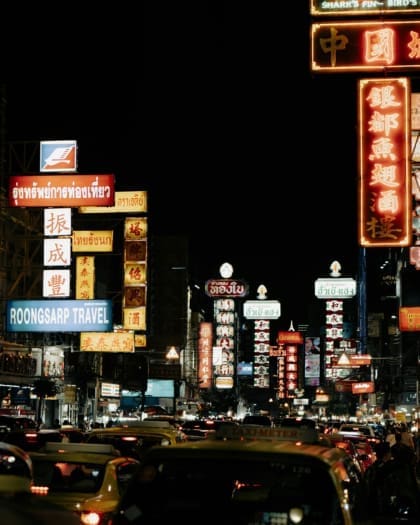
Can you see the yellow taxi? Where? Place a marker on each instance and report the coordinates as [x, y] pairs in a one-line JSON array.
[[255, 475], [135, 439], [84, 478]]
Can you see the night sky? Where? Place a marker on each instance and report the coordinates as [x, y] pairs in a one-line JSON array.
[[214, 111]]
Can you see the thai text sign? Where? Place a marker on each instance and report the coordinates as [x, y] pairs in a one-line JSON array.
[[366, 387], [365, 46], [61, 190], [125, 202], [92, 240], [59, 316], [290, 337], [335, 288], [262, 309], [385, 199], [226, 288]]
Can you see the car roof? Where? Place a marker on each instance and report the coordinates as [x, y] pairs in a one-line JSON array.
[[251, 448], [135, 429], [73, 457], [243, 431], [76, 452], [146, 423]]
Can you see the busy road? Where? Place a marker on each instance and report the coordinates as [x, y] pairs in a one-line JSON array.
[[295, 470]]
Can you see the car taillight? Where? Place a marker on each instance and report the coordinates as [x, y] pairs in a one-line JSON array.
[[41, 490]]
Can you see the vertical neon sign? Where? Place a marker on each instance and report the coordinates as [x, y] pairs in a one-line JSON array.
[[384, 156]]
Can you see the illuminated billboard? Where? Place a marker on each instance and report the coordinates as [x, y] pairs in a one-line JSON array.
[[58, 156], [107, 342], [363, 7], [365, 46], [59, 316], [409, 319], [384, 198], [61, 190]]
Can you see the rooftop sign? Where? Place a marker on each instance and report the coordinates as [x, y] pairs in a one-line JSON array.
[[226, 288], [262, 309], [335, 288], [58, 156], [387, 45], [70, 191]]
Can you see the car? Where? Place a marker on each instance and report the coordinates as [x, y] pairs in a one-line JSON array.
[[257, 475], [16, 471], [135, 439], [337, 440], [66, 433], [87, 479], [155, 410], [30, 438], [18, 506], [19, 430], [196, 429], [17, 422], [364, 446], [357, 429]]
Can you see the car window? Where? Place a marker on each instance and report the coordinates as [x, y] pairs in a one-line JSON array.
[[67, 476], [257, 420]]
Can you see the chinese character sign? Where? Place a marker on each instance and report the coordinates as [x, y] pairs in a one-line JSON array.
[[224, 368], [365, 46], [205, 344], [384, 153]]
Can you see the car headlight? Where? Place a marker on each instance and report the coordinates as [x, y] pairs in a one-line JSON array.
[[90, 517]]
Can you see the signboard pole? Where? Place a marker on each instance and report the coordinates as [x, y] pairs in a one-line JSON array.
[[361, 284]]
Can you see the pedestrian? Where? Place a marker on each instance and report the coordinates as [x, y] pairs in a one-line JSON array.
[[390, 435], [405, 455], [406, 436], [389, 488]]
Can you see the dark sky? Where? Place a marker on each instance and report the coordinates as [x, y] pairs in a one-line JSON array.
[[212, 109]]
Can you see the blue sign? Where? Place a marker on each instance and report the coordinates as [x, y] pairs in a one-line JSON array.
[[59, 316]]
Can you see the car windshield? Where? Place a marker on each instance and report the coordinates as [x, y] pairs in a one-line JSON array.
[[67, 476], [234, 490]]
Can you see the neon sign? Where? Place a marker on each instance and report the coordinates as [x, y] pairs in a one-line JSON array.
[[384, 156]]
